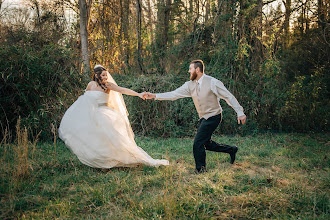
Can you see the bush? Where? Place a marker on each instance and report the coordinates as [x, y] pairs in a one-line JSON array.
[[38, 81], [307, 67]]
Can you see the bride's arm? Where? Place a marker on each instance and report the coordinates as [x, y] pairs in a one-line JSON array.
[[123, 90]]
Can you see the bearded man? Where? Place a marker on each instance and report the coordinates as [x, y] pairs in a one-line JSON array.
[[206, 92]]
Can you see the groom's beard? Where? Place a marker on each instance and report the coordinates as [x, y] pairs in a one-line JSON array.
[[193, 76]]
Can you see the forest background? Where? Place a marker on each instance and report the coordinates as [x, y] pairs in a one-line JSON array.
[[272, 55]]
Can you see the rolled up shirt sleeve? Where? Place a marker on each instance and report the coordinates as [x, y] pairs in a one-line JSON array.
[[181, 92], [222, 92]]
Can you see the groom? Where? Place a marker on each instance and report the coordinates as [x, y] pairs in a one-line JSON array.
[[205, 92]]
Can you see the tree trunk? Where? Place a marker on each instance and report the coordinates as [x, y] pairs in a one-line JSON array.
[[287, 5], [150, 21], [89, 5], [163, 21], [191, 6], [241, 30], [166, 22], [321, 14], [84, 37], [258, 39], [307, 4], [259, 17], [225, 15], [196, 17], [160, 23], [302, 21], [138, 29], [36, 5], [125, 28], [207, 11]]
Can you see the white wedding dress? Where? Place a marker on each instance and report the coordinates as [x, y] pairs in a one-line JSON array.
[[100, 135]]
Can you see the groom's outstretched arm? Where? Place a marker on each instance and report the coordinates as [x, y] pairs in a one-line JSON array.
[[180, 92]]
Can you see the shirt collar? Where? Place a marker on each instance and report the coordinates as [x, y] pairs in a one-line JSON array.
[[201, 79]]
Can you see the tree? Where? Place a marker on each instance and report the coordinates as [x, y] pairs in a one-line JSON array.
[[125, 30], [84, 37], [163, 21], [224, 18], [138, 30], [286, 25], [250, 32], [322, 9]]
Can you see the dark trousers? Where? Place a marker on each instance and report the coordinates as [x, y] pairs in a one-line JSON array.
[[205, 129]]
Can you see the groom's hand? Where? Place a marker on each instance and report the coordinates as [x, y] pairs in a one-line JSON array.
[[241, 119]]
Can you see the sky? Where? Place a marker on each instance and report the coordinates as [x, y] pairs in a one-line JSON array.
[[7, 2]]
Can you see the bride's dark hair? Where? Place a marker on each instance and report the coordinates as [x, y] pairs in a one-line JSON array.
[[98, 69]]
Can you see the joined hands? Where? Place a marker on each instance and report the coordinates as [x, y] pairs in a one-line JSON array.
[[147, 95]]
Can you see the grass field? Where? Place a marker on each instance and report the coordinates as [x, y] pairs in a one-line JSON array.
[[278, 176]]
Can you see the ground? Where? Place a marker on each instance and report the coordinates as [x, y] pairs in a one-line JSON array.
[[284, 176]]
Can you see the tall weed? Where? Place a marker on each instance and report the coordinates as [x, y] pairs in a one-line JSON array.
[[17, 158]]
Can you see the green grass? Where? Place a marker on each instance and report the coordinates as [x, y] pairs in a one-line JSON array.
[[278, 176]]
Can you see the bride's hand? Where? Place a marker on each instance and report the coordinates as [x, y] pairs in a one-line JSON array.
[[107, 84], [142, 95]]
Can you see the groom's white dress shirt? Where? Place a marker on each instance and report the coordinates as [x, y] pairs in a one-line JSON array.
[[206, 93]]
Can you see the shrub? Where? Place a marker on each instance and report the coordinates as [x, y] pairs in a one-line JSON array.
[[38, 81]]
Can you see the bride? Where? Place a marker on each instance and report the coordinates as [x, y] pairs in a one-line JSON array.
[[96, 127]]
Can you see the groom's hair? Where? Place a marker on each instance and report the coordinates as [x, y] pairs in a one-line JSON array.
[[198, 63]]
